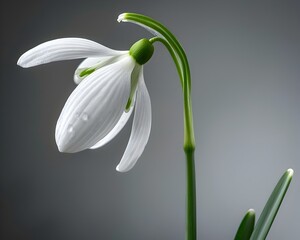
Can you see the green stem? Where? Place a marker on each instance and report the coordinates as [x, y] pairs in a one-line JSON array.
[[191, 214], [172, 53], [179, 57], [149, 23]]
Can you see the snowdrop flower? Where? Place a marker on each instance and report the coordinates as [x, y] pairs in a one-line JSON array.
[[110, 86]]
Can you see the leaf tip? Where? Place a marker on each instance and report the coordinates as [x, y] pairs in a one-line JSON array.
[[251, 211], [290, 172]]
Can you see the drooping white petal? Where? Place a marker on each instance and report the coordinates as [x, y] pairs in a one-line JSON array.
[[64, 49], [94, 107], [118, 127], [140, 129], [96, 62]]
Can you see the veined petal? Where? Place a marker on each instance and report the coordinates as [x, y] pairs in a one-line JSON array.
[[118, 127], [140, 129], [64, 49], [94, 107], [96, 63]]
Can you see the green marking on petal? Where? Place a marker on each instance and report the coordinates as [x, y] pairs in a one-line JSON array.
[[87, 72], [128, 104], [134, 82]]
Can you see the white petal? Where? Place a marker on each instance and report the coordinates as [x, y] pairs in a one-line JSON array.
[[140, 129], [119, 126], [94, 107], [96, 62], [88, 62], [64, 49]]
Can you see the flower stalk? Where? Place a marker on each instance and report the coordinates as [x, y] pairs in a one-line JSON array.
[[164, 36]]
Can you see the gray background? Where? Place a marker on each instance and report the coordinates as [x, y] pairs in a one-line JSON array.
[[245, 65]]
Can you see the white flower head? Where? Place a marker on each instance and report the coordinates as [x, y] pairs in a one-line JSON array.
[[110, 86]]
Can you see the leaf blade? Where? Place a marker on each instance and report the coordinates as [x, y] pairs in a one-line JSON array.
[[271, 208], [246, 226]]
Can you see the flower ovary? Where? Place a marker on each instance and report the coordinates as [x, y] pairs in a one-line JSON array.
[[142, 51]]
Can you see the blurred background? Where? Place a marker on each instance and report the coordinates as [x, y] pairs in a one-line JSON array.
[[245, 65]]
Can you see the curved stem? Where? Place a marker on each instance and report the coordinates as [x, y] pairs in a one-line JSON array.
[[191, 187], [179, 57], [160, 30], [172, 53]]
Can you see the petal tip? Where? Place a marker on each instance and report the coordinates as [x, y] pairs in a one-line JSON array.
[[118, 169], [61, 148], [26, 61], [64, 142], [20, 62], [122, 169]]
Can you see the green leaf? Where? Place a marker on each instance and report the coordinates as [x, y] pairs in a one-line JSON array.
[[246, 227], [270, 210]]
